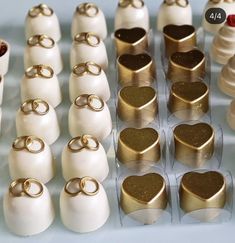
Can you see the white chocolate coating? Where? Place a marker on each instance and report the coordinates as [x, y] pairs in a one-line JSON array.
[[42, 126], [84, 213], [82, 163], [223, 45], [47, 89], [228, 7], [23, 164], [95, 24], [173, 14], [1, 88], [27, 216], [36, 55], [47, 25], [87, 121], [4, 60], [131, 17], [231, 115], [82, 52], [89, 84]]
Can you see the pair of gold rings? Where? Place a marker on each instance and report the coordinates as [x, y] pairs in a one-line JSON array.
[[26, 142], [32, 106], [88, 38], [41, 40], [85, 144], [80, 186], [133, 3], [41, 70], [181, 3], [87, 68], [25, 185], [85, 100], [41, 9], [88, 9]]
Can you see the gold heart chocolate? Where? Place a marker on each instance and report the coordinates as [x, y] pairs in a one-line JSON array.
[[188, 100], [137, 105], [186, 66], [143, 192], [202, 190], [131, 41], [179, 38], [136, 69], [194, 144], [138, 146]]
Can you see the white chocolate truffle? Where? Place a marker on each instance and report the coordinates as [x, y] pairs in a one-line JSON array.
[[42, 49], [88, 78], [39, 81], [89, 18], [130, 14], [40, 20], [89, 114], [31, 157], [4, 57], [37, 117], [86, 209], [88, 47], [81, 155], [223, 45], [174, 12], [31, 213], [231, 115]]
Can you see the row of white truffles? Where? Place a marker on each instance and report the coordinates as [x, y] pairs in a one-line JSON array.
[[83, 201]]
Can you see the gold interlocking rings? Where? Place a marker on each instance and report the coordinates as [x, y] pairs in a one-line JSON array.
[[88, 9], [133, 3], [25, 185], [80, 186], [41, 9], [26, 142], [86, 100], [42, 71], [88, 38], [87, 68], [84, 142], [31, 106], [181, 3], [41, 40]]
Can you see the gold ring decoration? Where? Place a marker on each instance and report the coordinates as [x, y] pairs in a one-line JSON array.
[[41, 71], [133, 3], [25, 143], [41, 9], [84, 140], [31, 106], [87, 102], [25, 186], [80, 184], [180, 3], [41, 40], [87, 68], [88, 38], [85, 9]]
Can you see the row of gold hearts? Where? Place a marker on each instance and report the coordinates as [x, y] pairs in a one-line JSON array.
[[193, 145], [197, 191]]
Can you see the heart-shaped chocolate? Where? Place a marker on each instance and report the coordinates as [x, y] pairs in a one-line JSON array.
[[3, 48], [178, 32], [194, 144], [130, 36], [138, 145]]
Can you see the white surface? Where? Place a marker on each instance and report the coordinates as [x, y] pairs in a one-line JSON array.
[[11, 28]]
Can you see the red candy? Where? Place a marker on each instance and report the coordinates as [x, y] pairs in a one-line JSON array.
[[231, 20]]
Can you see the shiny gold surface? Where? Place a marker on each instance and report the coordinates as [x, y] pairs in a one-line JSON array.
[[143, 192], [188, 100], [179, 38], [40, 10], [186, 66], [88, 9], [87, 68], [131, 41], [194, 144], [41, 40], [33, 106], [87, 38], [133, 3], [180, 3], [136, 69], [202, 191], [39, 71], [138, 146], [86, 101]]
